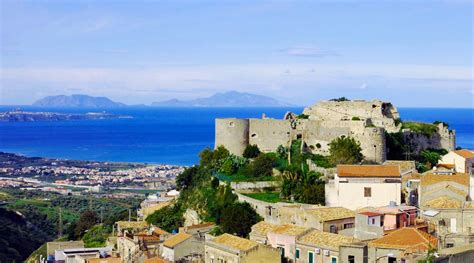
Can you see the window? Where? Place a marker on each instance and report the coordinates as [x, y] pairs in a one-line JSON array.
[[448, 245], [333, 229], [392, 260], [297, 253], [333, 260], [351, 259], [373, 221], [310, 257], [282, 251], [367, 192], [348, 225]]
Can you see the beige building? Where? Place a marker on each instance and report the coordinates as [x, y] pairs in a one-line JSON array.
[[182, 246], [229, 248], [358, 186], [463, 161], [327, 219], [320, 247]]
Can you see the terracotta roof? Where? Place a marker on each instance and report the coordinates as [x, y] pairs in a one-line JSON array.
[[443, 202], [324, 239], [445, 165], [448, 188], [289, 229], [176, 239], [235, 242], [207, 224], [430, 178], [159, 231], [368, 213], [262, 228], [154, 260], [104, 260], [406, 238], [368, 171], [132, 224], [331, 213], [465, 153]]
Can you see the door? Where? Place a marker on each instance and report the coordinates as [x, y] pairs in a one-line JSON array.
[[310, 257]]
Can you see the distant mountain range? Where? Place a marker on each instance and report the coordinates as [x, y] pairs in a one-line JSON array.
[[226, 99], [77, 101]]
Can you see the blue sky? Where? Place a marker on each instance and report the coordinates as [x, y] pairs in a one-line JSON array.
[[413, 53]]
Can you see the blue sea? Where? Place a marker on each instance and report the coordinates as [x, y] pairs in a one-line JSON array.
[[164, 135]]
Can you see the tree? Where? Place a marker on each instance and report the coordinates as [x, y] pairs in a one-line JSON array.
[[430, 158], [345, 150], [168, 218], [282, 152], [238, 219], [86, 221], [261, 166], [251, 151], [96, 236], [185, 179]]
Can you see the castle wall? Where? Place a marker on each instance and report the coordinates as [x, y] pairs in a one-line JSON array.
[[233, 134], [268, 134]]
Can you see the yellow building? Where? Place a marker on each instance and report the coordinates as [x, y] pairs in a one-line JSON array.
[[229, 248]]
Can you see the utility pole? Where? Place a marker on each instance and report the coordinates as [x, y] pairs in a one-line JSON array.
[[129, 215], [90, 200], [101, 215]]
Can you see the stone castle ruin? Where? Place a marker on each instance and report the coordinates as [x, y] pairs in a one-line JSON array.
[[318, 125]]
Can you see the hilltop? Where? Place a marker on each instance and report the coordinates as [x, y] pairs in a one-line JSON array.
[[77, 101], [226, 99]]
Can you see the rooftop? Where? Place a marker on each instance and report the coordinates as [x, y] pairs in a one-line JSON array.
[[176, 239], [465, 153], [369, 213], [331, 213], [131, 224], [289, 229], [324, 239], [203, 225], [406, 238], [405, 166], [262, 228], [430, 178], [105, 260], [159, 231], [235, 242], [368, 171], [443, 202]]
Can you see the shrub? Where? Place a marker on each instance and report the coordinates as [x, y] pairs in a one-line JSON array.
[[238, 219], [261, 166], [345, 150], [282, 152], [355, 118], [251, 151], [302, 116], [418, 127], [340, 99], [168, 218]]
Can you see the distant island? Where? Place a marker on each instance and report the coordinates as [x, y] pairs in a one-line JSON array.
[[226, 99], [25, 116], [77, 101]]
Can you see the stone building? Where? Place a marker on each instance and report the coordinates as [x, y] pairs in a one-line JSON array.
[[366, 121], [463, 162], [320, 247], [230, 248], [182, 245], [359, 186]]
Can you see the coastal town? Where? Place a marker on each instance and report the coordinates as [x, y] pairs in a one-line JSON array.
[[245, 203]]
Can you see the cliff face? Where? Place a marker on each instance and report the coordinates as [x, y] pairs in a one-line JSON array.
[[443, 138]]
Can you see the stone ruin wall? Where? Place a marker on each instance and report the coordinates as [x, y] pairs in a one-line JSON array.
[[268, 134], [327, 121], [380, 114]]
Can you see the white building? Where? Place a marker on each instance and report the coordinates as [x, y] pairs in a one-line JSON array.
[[463, 161], [358, 186]]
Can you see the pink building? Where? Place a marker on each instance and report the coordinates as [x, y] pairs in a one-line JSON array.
[[396, 217]]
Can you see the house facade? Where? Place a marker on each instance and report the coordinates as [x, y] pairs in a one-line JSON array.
[[358, 186]]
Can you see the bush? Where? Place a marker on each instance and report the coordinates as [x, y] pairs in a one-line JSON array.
[[302, 116], [282, 152], [168, 218], [419, 127], [261, 166], [355, 118], [345, 150], [238, 219], [251, 151], [340, 99], [232, 164], [96, 236]]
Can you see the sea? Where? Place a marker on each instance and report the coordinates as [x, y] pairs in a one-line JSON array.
[[164, 135]]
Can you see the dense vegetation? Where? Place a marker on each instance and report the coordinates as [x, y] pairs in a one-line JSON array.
[[41, 211], [345, 150], [202, 192]]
